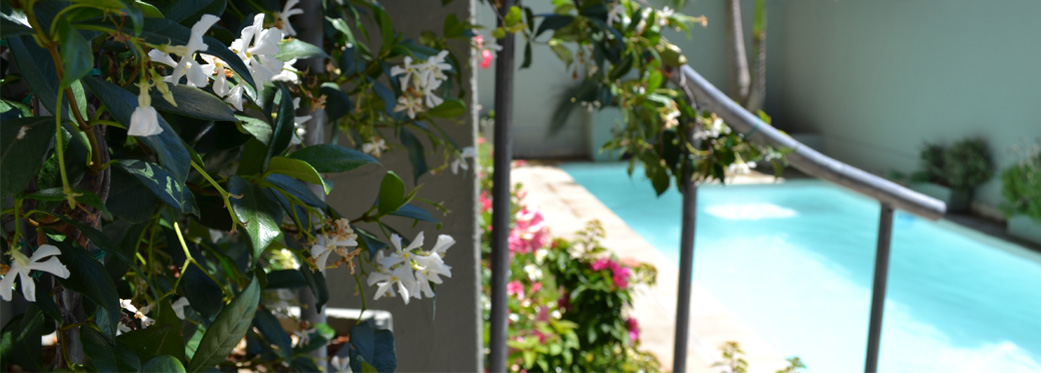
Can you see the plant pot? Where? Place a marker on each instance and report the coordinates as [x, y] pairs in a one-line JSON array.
[[956, 200], [1024, 227]]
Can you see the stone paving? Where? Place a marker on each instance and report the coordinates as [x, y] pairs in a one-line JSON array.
[[567, 208]]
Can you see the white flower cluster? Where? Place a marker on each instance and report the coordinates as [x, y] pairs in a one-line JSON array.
[[256, 47], [712, 130], [336, 239], [142, 313], [419, 82], [411, 270]]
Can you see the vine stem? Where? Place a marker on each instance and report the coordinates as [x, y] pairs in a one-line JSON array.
[[190, 259], [223, 193]]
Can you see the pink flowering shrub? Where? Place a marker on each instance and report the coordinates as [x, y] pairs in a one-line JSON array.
[[568, 300]]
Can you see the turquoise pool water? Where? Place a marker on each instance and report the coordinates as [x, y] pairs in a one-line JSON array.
[[795, 261]]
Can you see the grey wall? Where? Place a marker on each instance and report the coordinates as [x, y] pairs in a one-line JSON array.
[[879, 78], [430, 335]]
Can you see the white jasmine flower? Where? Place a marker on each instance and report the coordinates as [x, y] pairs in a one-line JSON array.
[[740, 168], [320, 251], [187, 65], [407, 72], [138, 313], [145, 120], [21, 266], [402, 255], [374, 148], [410, 103], [386, 279], [257, 46], [671, 118], [617, 15], [339, 365], [283, 17], [431, 267], [444, 241], [235, 96], [342, 234], [433, 70], [304, 336], [288, 74], [663, 16], [178, 307], [460, 159]]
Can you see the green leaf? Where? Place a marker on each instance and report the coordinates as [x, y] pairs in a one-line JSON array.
[[154, 341], [386, 27], [416, 154], [297, 169], [24, 144], [37, 68], [272, 330], [527, 56], [105, 354], [297, 48], [20, 339], [282, 136], [162, 184], [10, 27], [562, 52], [316, 282], [513, 19], [163, 363], [254, 210], [227, 329], [88, 277], [371, 346], [167, 145], [285, 279], [84, 196], [148, 10], [412, 211], [329, 158], [554, 22], [192, 102], [392, 193], [296, 188], [453, 28], [77, 56], [337, 103], [260, 129], [187, 12], [451, 108]]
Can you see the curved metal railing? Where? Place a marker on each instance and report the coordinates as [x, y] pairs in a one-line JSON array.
[[889, 194], [804, 158]]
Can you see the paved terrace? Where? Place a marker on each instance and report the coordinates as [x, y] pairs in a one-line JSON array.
[[567, 207]]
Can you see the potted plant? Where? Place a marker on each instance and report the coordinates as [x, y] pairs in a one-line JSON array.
[[1021, 187], [951, 174]]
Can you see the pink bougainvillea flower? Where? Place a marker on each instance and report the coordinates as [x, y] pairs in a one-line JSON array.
[[486, 59], [535, 288], [486, 203], [621, 276], [634, 329], [529, 234], [600, 264], [542, 337], [515, 288]]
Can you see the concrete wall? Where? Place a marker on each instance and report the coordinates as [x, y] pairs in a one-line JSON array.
[[442, 334], [879, 78]]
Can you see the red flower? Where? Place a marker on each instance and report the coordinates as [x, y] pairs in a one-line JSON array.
[[515, 288]]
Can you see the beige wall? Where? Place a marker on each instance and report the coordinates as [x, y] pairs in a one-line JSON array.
[[879, 78]]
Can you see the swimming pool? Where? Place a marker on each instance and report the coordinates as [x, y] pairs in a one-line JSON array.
[[795, 262]]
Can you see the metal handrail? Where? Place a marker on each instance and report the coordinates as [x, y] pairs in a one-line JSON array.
[[891, 195], [804, 158]]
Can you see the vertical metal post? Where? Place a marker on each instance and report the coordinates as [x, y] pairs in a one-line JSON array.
[[501, 197], [309, 29], [690, 204], [878, 291]]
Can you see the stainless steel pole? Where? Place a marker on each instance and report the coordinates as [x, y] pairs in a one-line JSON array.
[[690, 203], [501, 197], [878, 291]]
